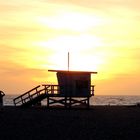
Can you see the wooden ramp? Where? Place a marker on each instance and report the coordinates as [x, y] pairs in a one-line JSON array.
[[31, 97], [52, 93]]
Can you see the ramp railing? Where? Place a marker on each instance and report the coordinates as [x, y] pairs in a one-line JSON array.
[[34, 93], [29, 95]]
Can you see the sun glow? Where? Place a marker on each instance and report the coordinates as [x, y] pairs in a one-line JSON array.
[[73, 35], [78, 61], [72, 43], [73, 21], [76, 45]]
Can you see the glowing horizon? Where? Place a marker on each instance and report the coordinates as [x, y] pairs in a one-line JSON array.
[[101, 36]]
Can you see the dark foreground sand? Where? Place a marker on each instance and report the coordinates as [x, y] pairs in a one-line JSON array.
[[97, 123]]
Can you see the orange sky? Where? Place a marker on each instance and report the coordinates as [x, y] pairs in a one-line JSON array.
[[102, 36]]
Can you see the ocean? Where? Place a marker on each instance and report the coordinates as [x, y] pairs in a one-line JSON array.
[[96, 100]]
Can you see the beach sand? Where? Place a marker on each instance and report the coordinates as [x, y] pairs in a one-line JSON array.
[[97, 123]]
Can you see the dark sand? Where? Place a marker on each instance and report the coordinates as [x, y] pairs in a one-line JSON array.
[[97, 123]]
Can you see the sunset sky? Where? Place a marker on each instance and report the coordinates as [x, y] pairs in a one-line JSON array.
[[101, 35]]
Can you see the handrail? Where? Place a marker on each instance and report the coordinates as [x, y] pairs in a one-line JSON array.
[[26, 93]]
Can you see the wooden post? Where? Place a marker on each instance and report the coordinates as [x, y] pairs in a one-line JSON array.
[[65, 102], [48, 104], [70, 102], [68, 61], [88, 104]]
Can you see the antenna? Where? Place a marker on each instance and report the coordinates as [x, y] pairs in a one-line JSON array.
[[68, 61]]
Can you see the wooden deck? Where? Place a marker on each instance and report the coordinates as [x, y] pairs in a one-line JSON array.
[[52, 94]]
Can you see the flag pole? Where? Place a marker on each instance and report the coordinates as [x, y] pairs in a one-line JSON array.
[[68, 61]]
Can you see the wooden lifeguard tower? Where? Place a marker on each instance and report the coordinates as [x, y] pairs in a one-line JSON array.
[[74, 88]]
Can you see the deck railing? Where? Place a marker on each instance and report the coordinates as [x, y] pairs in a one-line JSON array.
[[39, 90], [51, 89], [92, 90]]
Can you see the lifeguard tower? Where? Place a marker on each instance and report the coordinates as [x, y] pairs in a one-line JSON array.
[[74, 88]]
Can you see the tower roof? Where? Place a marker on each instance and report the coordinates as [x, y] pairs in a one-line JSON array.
[[66, 71]]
